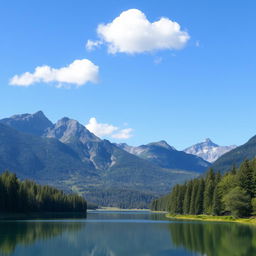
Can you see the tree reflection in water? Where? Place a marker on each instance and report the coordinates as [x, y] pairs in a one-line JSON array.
[[25, 233], [106, 234], [215, 239]]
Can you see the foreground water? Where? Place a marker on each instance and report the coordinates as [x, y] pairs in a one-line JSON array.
[[125, 234]]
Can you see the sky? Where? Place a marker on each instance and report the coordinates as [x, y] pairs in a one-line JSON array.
[[133, 71]]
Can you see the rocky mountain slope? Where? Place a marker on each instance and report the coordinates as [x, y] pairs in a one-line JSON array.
[[166, 156], [208, 150], [68, 156], [42, 159], [35, 124]]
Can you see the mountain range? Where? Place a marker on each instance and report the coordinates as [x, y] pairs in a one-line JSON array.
[[166, 156], [70, 157], [67, 155], [208, 150]]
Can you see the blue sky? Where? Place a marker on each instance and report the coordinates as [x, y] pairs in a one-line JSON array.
[[205, 89]]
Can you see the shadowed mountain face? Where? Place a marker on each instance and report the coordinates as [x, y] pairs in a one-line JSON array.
[[43, 159], [208, 150], [166, 156], [35, 124], [236, 156], [70, 157]]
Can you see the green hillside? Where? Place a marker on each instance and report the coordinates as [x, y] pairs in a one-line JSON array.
[[236, 156]]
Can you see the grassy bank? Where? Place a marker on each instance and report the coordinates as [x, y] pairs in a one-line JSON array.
[[251, 220]]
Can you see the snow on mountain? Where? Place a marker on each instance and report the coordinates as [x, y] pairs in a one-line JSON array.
[[208, 150], [162, 154]]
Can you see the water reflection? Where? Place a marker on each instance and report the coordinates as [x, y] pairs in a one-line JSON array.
[[26, 233], [126, 234], [215, 239]]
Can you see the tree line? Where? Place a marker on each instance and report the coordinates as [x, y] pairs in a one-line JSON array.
[[27, 196], [121, 198], [214, 194]]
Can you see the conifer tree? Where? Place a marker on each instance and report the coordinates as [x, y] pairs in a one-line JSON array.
[[192, 209], [216, 205], [234, 192], [253, 166], [181, 194], [187, 197], [199, 203], [16, 196], [245, 178], [174, 201], [209, 190]]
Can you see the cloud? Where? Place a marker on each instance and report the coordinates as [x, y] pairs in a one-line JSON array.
[[132, 32], [103, 129], [79, 72], [123, 134], [100, 129], [91, 45]]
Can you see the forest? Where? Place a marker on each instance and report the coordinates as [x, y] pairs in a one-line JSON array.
[[27, 196], [232, 193]]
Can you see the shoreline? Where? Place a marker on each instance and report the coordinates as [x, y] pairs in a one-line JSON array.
[[251, 220], [41, 215], [116, 209]]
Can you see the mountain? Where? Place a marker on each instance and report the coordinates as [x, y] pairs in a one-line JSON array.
[[208, 150], [35, 124], [166, 156], [117, 168], [236, 156], [70, 157], [42, 159], [67, 129]]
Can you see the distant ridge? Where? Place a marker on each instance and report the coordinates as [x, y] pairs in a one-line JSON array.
[[208, 150], [166, 156], [236, 156], [68, 156], [35, 124]]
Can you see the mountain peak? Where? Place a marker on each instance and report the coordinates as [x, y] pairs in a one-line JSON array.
[[208, 150], [39, 113], [67, 129], [161, 143], [35, 123], [208, 140]]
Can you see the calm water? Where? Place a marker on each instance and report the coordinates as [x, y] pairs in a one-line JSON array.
[[125, 234]]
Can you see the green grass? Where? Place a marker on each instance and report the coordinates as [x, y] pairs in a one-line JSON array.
[[251, 220]]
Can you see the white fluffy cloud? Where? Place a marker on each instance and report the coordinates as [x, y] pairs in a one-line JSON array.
[[103, 129], [132, 32], [79, 72], [100, 129]]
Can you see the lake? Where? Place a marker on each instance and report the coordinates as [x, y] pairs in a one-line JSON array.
[[125, 234]]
